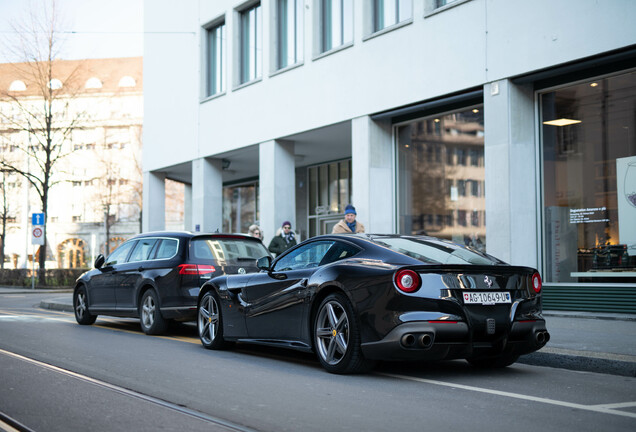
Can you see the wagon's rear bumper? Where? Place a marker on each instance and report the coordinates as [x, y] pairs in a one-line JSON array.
[[423, 340]]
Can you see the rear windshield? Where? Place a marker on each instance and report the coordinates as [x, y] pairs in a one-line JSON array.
[[436, 251], [227, 250]]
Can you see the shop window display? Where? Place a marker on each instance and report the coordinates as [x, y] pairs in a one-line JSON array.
[[589, 181]]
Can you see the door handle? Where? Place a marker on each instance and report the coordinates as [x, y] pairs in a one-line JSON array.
[[140, 269]]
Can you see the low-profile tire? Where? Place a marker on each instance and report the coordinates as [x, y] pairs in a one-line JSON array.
[[337, 337], [495, 362], [80, 306], [210, 322], [152, 323]]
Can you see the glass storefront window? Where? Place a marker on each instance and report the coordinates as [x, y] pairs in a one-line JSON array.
[[240, 207], [589, 151], [329, 193], [441, 176]]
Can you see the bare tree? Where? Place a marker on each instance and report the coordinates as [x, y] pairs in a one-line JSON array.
[[4, 216], [43, 112]]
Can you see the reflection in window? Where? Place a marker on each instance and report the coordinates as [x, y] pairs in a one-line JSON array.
[[289, 32], [589, 149], [240, 204], [251, 44], [215, 59], [389, 12], [439, 190], [337, 23]]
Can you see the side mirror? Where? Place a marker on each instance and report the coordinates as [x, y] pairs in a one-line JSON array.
[[99, 261], [264, 263]]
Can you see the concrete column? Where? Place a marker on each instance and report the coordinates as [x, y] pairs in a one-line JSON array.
[[277, 193], [207, 195], [187, 207], [511, 173], [154, 201], [372, 190]]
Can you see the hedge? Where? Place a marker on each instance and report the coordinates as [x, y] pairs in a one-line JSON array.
[[55, 278]]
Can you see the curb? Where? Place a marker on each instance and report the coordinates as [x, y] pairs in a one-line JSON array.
[[584, 361], [53, 305]]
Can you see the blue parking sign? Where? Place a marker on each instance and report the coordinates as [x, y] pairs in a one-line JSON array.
[[37, 219]]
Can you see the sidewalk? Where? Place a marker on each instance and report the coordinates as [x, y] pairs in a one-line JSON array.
[[584, 341]]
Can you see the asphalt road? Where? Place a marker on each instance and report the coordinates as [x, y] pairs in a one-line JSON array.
[[57, 375]]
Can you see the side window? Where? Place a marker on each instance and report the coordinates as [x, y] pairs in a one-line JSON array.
[[119, 255], [339, 251], [305, 257], [142, 249], [167, 249]]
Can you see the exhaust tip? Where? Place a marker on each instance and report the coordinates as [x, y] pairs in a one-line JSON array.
[[542, 337], [408, 340], [426, 340]]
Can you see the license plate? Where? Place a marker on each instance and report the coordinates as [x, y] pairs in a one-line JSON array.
[[487, 298]]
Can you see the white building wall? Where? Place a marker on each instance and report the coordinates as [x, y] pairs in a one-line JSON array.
[[465, 46], [476, 42]]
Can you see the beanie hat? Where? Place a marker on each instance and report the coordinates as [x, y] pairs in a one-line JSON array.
[[350, 209], [286, 223]]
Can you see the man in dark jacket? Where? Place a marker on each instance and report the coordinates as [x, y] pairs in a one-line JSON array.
[[286, 239]]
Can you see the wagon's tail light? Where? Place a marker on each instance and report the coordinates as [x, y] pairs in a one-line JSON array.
[[407, 281], [536, 283], [195, 269]]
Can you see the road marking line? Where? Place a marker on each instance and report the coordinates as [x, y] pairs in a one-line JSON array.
[[594, 408], [131, 393], [617, 405]]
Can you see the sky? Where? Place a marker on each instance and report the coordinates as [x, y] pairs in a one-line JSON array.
[[92, 28]]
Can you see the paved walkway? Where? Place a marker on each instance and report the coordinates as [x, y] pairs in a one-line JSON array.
[[585, 341]]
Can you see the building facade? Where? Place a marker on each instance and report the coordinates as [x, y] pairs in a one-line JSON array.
[[506, 125], [97, 183]]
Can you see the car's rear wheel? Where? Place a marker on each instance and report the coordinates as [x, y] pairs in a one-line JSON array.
[[152, 323], [210, 322], [80, 306], [337, 337], [493, 362]]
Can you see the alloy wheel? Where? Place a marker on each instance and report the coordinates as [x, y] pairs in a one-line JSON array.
[[332, 332], [208, 319], [148, 311]]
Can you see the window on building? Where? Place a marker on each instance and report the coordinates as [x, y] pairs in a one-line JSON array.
[[215, 40], [240, 207], [289, 32], [589, 181], [336, 23], [251, 44], [329, 191], [389, 12], [443, 186]]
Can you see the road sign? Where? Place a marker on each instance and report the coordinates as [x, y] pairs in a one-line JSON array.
[[37, 235], [37, 219]]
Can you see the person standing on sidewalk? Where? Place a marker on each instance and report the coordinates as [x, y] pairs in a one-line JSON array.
[[283, 241], [348, 225]]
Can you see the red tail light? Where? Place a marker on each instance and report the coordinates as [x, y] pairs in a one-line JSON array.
[[195, 269], [407, 281], [536, 283]]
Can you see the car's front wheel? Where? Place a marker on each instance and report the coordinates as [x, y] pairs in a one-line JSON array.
[[337, 337], [80, 306], [152, 323], [209, 322]]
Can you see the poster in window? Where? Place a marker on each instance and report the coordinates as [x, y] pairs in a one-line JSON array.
[[626, 191]]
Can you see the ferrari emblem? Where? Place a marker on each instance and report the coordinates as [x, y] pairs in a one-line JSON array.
[[488, 281], [334, 333]]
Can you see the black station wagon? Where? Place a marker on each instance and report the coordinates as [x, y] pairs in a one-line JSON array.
[[157, 276]]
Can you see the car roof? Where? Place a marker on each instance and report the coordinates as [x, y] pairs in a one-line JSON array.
[[189, 235]]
